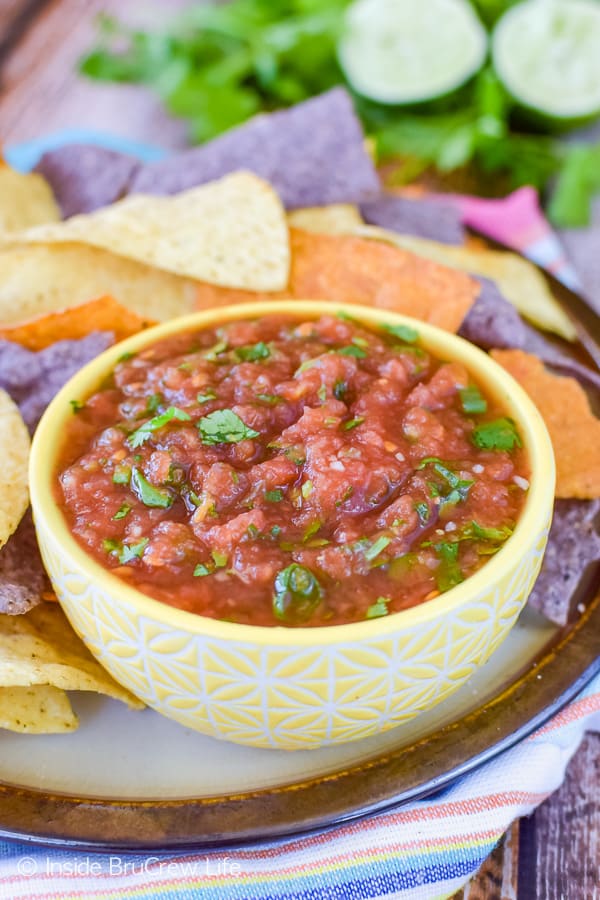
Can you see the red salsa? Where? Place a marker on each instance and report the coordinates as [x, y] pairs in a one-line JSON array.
[[286, 472]]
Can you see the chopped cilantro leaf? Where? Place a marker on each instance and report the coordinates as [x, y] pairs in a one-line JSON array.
[[501, 434], [121, 475], [201, 570], [471, 400], [322, 393], [253, 353], [271, 399], [220, 559], [123, 510], [125, 356], [76, 405], [422, 511], [311, 530], [297, 594], [154, 402], [276, 531], [206, 395], [448, 574], [377, 547], [132, 551], [353, 423], [402, 332], [215, 351], [378, 609], [352, 350], [147, 493], [137, 438], [224, 427], [490, 534], [275, 496]]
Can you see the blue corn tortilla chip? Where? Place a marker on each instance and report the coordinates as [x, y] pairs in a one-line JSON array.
[[84, 177], [23, 579], [573, 544], [436, 220], [493, 322], [313, 154], [32, 379]]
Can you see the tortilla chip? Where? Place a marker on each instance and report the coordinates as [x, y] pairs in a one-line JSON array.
[[36, 710], [42, 648], [32, 379], [230, 232], [35, 280], [493, 322], [518, 280], [573, 544], [425, 217], [25, 201], [14, 444], [338, 218], [346, 269], [312, 153], [573, 428], [23, 579], [103, 314], [85, 177]]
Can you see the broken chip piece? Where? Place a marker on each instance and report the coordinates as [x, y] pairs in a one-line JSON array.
[[573, 544], [312, 153], [23, 579], [85, 177], [573, 428], [103, 314], [14, 491]]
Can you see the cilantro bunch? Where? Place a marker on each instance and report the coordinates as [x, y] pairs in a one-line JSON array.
[[218, 64]]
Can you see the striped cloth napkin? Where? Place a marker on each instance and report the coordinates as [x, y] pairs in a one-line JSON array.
[[425, 850]]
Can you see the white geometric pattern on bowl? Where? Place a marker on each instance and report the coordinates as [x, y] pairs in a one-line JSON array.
[[286, 697]]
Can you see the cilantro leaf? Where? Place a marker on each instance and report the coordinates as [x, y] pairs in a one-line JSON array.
[[297, 594], [223, 426], [352, 350], [275, 496], [141, 434], [378, 609], [501, 434], [471, 400], [404, 333], [377, 547], [449, 573], [253, 353], [147, 493]]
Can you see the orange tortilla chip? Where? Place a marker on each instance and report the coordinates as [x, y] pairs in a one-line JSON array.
[[348, 269], [102, 314], [573, 428]]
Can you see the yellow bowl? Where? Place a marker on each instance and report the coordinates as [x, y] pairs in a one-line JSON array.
[[294, 687]]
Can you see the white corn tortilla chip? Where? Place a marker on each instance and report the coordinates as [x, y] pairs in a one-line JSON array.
[[36, 710], [14, 447], [232, 232]]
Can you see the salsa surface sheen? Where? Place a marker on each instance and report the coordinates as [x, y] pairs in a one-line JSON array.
[[287, 472]]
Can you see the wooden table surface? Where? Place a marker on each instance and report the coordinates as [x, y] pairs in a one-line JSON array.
[[552, 855]]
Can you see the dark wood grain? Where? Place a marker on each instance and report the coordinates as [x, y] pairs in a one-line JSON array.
[[560, 843], [556, 852]]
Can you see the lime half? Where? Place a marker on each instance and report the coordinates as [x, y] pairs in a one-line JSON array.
[[547, 54], [410, 51]]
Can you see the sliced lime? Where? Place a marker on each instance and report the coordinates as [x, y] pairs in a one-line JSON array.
[[410, 51], [547, 54]]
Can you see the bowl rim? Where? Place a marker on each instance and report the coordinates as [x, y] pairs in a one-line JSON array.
[[445, 345]]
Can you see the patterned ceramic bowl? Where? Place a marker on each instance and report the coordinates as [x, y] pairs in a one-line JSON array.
[[294, 687]]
